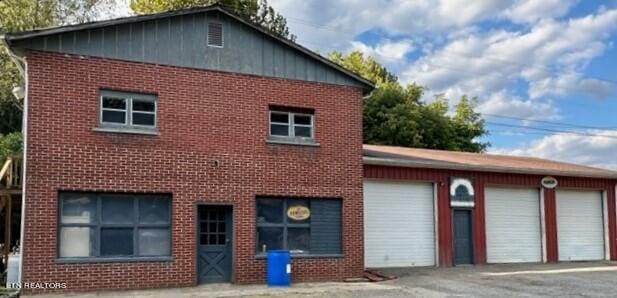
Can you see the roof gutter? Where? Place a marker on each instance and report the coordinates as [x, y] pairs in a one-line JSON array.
[[396, 162]]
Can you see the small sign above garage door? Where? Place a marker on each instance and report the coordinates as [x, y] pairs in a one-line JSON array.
[[549, 182]]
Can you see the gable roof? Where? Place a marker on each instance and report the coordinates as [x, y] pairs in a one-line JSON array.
[[12, 38], [440, 159]]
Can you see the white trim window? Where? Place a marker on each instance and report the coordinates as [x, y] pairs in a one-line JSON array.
[[292, 125], [124, 110]]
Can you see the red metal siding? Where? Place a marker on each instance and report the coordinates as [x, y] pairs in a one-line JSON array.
[[550, 221], [482, 179], [479, 235]]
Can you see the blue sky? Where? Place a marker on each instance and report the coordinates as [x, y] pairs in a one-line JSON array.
[[539, 61], [529, 62]]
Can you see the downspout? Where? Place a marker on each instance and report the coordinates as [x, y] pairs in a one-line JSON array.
[[22, 65]]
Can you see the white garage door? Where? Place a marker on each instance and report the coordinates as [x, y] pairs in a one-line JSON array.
[[580, 225], [513, 228], [399, 226]]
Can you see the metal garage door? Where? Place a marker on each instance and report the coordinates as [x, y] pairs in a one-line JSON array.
[[513, 227], [399, 225], [580, 225]]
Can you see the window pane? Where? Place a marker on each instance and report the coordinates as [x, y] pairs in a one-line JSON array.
[[279, 130], [154, 242], [143, 119], [143, 105], [78, 208], [114, 117], [269, 211], [299, 239], [302, 119], [301, 131], [298, 211], [114, 103], [116, 242], [117, 210], [76, 242], [277, 117], [269, 239], [154, 210]]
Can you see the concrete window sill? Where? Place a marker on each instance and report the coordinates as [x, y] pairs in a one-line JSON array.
[[292, 142], [126, 131], [112, 260]]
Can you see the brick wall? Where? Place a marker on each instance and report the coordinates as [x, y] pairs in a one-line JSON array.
[[204, 116]]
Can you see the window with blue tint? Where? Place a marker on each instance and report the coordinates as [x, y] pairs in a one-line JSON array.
[[303, 226], [126, 110], [154, 211], [104, 225], [117, 209], [116, 242]]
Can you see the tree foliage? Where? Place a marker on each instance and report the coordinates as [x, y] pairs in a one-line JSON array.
[[258, 11], [397, 115], [367, 67], [23, 15], [10, 145]]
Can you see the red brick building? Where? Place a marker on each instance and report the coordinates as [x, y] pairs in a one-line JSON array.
[[175, 149], [170, 150]]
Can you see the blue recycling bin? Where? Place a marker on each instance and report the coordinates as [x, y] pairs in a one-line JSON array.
[[278, 268]]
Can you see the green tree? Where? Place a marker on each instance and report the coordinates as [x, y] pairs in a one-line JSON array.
[[10, 145], [396, 115], [17, 15], [23, 15], [469, 126], [367, 67], [258, 11], [391, 116]]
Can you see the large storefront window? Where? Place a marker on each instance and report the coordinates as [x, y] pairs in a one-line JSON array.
[[303, 226], [103, 225]]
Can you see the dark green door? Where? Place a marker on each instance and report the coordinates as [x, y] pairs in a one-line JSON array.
[[214, 251], [463, 248]]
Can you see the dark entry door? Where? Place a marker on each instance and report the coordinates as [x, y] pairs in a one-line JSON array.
[[215, 246], [463, 249]]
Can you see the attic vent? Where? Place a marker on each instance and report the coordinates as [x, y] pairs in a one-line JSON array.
[[215, 34]]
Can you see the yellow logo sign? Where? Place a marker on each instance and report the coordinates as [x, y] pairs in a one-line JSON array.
[[298, 212]]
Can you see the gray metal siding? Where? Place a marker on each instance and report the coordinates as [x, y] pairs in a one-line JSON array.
[[326, 235], [181, 41]]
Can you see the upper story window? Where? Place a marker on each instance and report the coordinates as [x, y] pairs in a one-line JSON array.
[[297, 125], [215, 34], [128, 111]]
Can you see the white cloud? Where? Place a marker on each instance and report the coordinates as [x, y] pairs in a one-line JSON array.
[[389, 53], [333, 24], [595, 151], [598, 88], [385, 50], [501, 103], [528, 11], [549, 57]]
